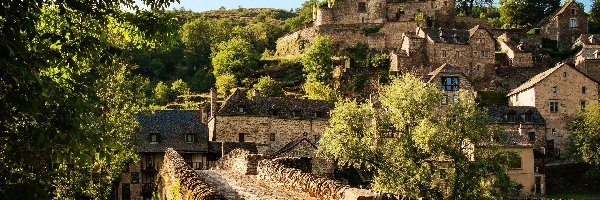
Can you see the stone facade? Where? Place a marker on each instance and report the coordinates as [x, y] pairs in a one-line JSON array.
[[558, 93], [588, 59], [269, 122], [518, 54], [565, 25], [450, 80]]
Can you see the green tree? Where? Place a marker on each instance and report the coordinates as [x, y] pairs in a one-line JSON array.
[[319, 91], [163, 94], [268, 87], [225, 83], [69, 100], [197, 36], [418, 148], [520, 13], [304, 15], [236, 57], [470, 7], [317, 59], [585, 128], [594, 23], [180, 87]]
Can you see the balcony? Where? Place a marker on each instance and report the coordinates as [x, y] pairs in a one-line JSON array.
[[147, 188]]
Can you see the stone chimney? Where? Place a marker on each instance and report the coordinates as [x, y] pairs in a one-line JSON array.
[[203, 114], [213, 102], [442, 35]]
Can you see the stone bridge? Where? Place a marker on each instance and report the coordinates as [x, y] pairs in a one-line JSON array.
[[241, 175]]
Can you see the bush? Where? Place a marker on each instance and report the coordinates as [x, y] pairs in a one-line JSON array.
[[380, 60], [268, 87], [319, 91], [225, 83]]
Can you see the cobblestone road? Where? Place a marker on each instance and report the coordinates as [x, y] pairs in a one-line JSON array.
[[247, 187]]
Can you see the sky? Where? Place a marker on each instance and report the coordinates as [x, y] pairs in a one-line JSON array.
[[204, 5]]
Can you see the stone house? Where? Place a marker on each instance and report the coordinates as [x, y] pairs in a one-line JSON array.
[[588, 59], [558, 94], [565, 25], [518, 54], [268, 122], [526, 129], [450, 80], [181, 130]]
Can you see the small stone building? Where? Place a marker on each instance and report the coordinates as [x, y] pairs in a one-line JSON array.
[[181, 130], [588, 59], [565, 25], [558, 94], [268, 122], [518, 54], [450, 80], [526, 130]]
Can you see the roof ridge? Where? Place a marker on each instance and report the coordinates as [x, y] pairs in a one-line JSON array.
[[535, 79]]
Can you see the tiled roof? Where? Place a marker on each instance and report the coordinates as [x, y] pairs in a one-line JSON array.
[[274, 106], [291, 145], [172, 127], [498, 115], [536, 79], [455, 36]]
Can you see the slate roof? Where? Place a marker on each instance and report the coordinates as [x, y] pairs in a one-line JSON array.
[[453, 36], [536, 79], [498, 114], [291, 145], [557, 12], [585, 38], [282, 107], [172, 127]]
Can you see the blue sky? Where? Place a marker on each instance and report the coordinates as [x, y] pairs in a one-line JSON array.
[[203, 5]]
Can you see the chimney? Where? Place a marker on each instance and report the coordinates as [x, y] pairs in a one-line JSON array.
[[203, 114], [213, 102], [455, 36], [442, 36]]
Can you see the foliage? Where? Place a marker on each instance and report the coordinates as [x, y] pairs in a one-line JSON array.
[[163, 94], [268, 87], [492, 98], [317, 61], [585, 128], [414, 141], [225, 83], [380, 60], [304, 15], [420, 17], [180, 88], [69, 100], [472, 8], [236, 57], [594, 18], [319, 91], [526, 13]]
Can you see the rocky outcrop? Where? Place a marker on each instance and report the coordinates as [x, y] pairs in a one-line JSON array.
[[177, 180]]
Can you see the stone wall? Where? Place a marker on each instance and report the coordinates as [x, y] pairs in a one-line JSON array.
[[469, 22], [239, 161], [178, 181], [301, 163]]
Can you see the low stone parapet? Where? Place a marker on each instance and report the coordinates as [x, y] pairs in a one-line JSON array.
[[239, 161], [177, 180]]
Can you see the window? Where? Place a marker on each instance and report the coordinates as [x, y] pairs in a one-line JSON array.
[[135, 177], [316, 138], [125, 191], [510, 116], [241, 137], [528, 116], [572, 11], [474, 53], [189, 138], [583, 89], [477, 67], [515, 163], [532, 137], [583, 104], [553, 130], [154, 138], [442, 173], [241, 109], [484, 54], [444, 53], [573, 23], [553, 106], [554, 89], [319, 114], [450, 83], [362, 7], [564, 74], [480, 40], [297, 113], [305, 134], [274, 112], [457, 55], [272, 137]]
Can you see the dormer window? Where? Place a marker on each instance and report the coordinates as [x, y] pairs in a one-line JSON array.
[[189, 138], [154, 138], [362, 7], [528, 116], [297, 113], [510, 116], [319, 114], [573, 23], [554, 89], [241, 109], [450, 83]]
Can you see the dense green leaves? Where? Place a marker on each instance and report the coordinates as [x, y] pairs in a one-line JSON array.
[[585, 129], [236, 57], [319, 91], [526, 13], [417, 147], [67, 115], [317, 59], [268, 87], [594, 23]]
